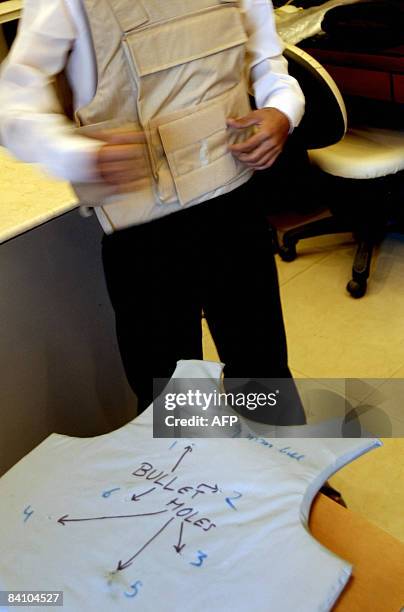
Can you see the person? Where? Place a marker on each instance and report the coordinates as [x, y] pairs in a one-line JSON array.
[[164, 145]]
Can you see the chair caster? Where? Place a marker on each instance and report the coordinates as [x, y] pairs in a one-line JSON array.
[[287, 252], [357, 289]]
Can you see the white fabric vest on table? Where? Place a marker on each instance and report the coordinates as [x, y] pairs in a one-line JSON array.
[[175, 70], [127, 522]]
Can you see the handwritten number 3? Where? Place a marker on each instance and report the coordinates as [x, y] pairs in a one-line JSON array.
[[135, 589], [201, 557]]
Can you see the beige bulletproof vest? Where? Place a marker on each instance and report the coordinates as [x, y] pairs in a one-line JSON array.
[[175, 70]]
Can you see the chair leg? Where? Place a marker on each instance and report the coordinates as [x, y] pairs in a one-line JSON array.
[[321, 227], [360, 270]]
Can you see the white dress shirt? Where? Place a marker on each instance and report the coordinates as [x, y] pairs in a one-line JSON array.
[[54, 34]]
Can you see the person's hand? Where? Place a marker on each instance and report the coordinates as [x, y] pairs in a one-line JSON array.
[[123, 162], [261, 150]]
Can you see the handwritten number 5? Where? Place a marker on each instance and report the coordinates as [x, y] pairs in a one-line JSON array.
[[135, 589], [201, 557]]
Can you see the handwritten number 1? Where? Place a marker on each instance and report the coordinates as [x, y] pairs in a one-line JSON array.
[[229, 500], [201, 557]]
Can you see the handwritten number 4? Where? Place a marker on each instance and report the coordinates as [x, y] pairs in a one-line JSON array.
[[201, 557], [28, 513]]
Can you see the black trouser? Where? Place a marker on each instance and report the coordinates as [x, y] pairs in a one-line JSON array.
[[214, 256]]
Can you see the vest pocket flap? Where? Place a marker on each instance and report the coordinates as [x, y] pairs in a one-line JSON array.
[[192, 128], [132, 18], [206, 179], [186, 39], [196, 149]]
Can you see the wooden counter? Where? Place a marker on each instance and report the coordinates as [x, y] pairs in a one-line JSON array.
[[28, 197], [10, 10]]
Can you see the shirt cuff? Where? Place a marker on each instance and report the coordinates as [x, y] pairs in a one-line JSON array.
[[294, 110]]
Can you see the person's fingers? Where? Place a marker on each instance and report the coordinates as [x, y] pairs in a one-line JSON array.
[[112, 153], [257, 154], [240, 123], [268, 162], [117, 178], [126, 165], [250, 144], [119, 136], [122, 163], [124, 137], [123, 175], [262, 160]]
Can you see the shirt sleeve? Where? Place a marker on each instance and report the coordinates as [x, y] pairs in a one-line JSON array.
[[32, 124], [270, 82]]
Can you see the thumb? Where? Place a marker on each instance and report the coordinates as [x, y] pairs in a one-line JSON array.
[[242, 122]]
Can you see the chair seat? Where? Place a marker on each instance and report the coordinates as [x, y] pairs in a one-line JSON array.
[[363, 153]]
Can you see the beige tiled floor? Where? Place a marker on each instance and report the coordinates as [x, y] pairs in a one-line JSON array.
[[333, 335]]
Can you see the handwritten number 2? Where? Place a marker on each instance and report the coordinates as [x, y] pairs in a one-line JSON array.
[[135, 589], [201, 557]]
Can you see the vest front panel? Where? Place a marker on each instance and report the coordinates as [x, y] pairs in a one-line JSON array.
[[186, 67]]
